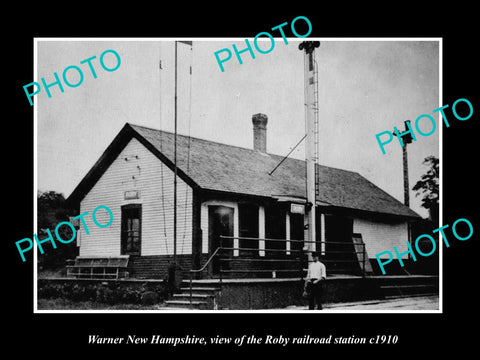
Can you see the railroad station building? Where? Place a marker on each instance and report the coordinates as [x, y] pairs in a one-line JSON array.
[[229, 191]]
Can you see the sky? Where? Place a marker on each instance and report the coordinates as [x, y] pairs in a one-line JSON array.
[[365, 87]]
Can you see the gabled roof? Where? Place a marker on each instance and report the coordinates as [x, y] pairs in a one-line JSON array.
[[214, 166]]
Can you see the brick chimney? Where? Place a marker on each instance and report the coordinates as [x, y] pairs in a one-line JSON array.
[[260, 132]]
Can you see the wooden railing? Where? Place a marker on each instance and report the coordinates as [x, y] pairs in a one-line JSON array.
[[265, 256]]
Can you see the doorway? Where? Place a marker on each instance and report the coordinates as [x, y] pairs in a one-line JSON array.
[[339, 250], [220, 222]]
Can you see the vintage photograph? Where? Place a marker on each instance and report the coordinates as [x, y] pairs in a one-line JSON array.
[[237, 175]]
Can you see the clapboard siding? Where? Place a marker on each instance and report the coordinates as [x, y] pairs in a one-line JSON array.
[[382, 236], [136, 168]]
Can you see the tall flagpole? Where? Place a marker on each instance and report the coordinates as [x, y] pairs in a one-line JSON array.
[[175, 163], [175, 170]]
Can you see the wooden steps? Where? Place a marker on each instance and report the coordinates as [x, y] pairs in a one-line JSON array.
[[203, 297]]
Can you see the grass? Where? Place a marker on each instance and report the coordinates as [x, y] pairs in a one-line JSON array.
[[63, 304]]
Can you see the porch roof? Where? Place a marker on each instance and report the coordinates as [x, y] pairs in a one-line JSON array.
[[226, 168]]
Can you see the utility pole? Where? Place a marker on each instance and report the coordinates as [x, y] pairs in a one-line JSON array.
[[406, 139], [311, 141]]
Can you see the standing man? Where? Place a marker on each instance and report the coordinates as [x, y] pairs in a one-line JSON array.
[[316, 276]]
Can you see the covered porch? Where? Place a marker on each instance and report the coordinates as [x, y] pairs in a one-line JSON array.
[[245, 238]]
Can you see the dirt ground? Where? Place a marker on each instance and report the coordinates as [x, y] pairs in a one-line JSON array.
[[404, 304]]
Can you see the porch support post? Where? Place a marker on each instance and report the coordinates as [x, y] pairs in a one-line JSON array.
[[236, 231], [287, 232], [322, 233], [261, 230]]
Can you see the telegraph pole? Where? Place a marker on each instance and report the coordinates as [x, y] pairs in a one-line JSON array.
[[310, 148], [406, 139]]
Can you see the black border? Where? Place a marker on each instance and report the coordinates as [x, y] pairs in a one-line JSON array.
[[419, 334]]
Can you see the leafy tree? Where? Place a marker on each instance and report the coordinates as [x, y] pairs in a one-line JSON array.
[[428, 186], [51, 210]]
